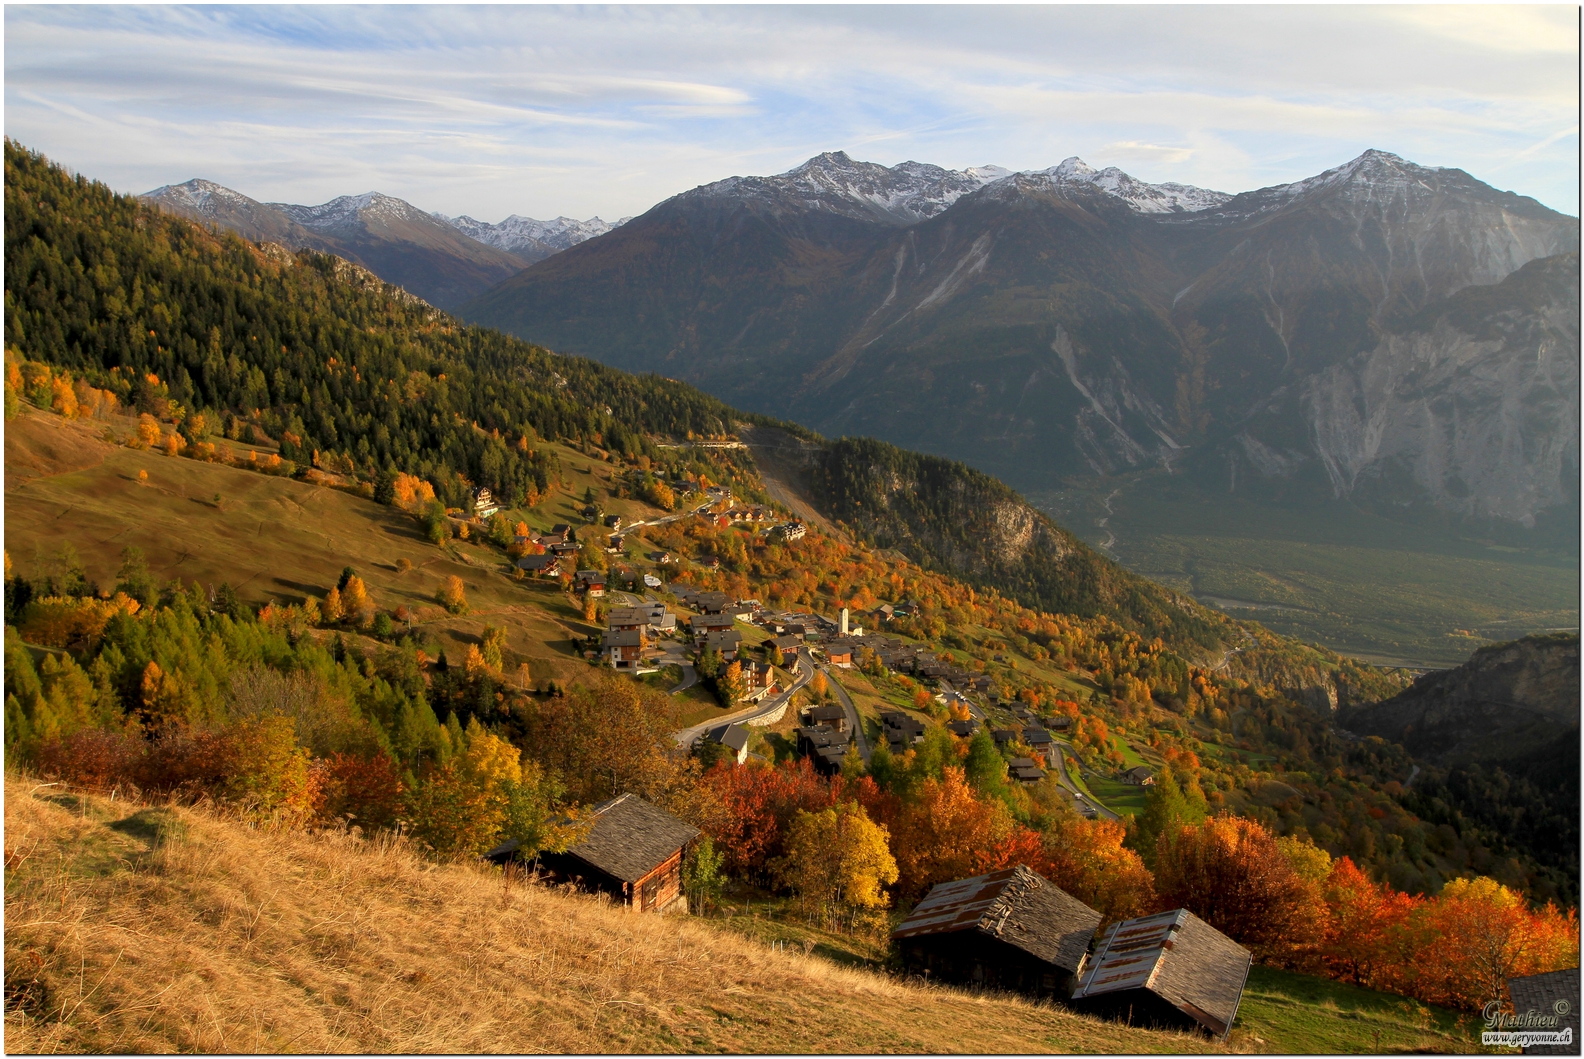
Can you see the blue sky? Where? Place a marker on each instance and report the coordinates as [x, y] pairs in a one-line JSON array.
[[607, 110]]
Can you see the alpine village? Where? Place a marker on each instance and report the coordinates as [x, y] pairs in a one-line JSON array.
[[379, 681]]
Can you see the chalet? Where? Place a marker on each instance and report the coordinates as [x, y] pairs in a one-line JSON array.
[[724, 641], [1024, 770], [623, 649], [615, 543], [1004, 736], [963, 729], [1010, 929], [789, 645], [484, 504], [793, 531], [840, 655], [1554, 994], [658, 617], [626, 619], [633, 852], [525, 538], [833, 717], [884, 612], [1039, 740], [704, 624], [614, 522], [564, 549], [1171, 970], [901, 730], [760, 679], [734, 737], [563, 534], [1061, 722], [825, 747], [1139, 776], [708, 602], [544, 565]]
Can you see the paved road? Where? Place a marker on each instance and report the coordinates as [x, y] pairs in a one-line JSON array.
[[805, 672], [854, 722], [1062, 750], [689, 678]]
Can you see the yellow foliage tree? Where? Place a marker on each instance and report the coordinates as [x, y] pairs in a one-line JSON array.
[[148, 430], [333, 607], [839, 857], [453, 595], [356, 604]]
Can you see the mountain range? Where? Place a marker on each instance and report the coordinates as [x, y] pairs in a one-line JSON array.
[[1371, 332], [443, 260]]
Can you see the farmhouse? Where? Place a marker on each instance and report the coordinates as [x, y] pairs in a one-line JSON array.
[[633, 852], [545, 565], [623, 649], [726, 641], [1010, 929], [704, 624], [1139, 776], [734, 737], [1172, 970], [833, 717], [901, 730], [625, 619], [824, 746], [1024, 770]]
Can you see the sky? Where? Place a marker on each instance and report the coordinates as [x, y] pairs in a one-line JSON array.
[[578, 111]]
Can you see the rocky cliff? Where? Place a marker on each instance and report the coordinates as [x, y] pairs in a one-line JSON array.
[[1509, 703]]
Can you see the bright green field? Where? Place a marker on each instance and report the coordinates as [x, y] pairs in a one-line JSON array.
[[1297, 1014], [1422, 595]]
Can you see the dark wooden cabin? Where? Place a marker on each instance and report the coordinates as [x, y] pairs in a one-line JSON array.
[[633, 852], [1171, 970], [1010, 929]]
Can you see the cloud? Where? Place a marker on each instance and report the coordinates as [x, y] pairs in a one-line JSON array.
[[547, 110]]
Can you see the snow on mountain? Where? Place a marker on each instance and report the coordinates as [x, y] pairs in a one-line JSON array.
[[1142, 197], [349, 210], [914, 191], [200, 196], [518, 233], [833, 182]]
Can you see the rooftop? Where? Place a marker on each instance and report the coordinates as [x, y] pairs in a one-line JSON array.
[[1015, 905]]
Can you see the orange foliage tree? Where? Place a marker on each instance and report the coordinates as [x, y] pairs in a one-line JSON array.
[[1229, 871]]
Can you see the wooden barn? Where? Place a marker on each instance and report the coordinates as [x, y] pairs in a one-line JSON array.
[[633, 852], [1010, 929], [1171, 970]]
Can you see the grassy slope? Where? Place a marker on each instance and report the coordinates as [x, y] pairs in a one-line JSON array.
[[271, 537], [153, 929], [157, 930]]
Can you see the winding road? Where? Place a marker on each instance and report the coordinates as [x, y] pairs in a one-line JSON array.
[[854, 722], [805, 672]]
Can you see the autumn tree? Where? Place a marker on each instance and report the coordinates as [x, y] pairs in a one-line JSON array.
[[1167, 808], [945, 832], [493, 643], [1087, 858], [332, 608], [453, 595], [1228, 871], [356, 605], [838, 856]]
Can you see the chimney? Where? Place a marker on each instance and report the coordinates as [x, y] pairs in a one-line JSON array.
[[844, 621]]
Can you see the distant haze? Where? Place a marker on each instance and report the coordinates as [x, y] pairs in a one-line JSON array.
[[584, 111]]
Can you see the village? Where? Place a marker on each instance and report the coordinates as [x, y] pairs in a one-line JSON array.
[[1010, 929]]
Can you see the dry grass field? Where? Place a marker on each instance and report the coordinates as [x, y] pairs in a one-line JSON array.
[[272, 538], [158, 929]]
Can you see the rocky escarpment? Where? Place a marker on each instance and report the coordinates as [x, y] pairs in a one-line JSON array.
[[1508, 703], [1471, 405]]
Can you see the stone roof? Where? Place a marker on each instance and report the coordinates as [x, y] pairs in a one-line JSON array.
[[1544, 994], [1015, 905], [631, 838], [1178, 957]]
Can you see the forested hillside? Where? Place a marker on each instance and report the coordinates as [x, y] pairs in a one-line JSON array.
[[170, 316]]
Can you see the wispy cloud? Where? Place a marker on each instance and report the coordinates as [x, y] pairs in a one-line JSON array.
[[580, 110]]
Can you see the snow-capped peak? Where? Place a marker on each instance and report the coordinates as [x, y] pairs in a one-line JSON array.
[[348, 210], [199, 196], [1141, 197], [517, 233]]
